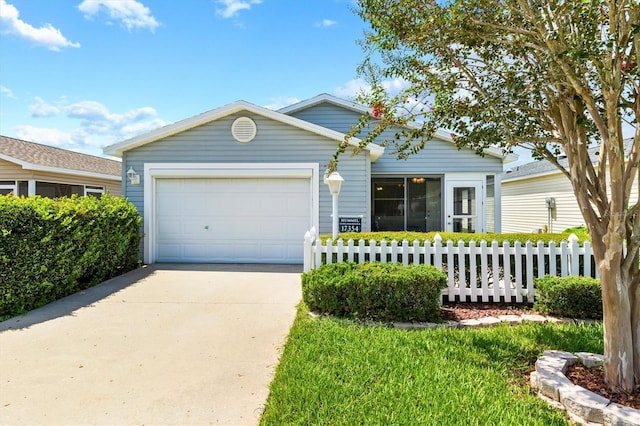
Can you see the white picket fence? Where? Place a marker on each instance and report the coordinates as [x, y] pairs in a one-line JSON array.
[[492, 272]]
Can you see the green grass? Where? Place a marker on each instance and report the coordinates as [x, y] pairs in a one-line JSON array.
[[334, 372]]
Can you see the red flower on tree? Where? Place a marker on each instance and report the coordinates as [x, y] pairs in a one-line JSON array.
[[377, 110]]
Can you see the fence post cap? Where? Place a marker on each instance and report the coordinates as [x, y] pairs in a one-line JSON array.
[[573, 238], [437, 238]]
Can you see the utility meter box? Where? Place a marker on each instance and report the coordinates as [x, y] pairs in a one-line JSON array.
[[551, 203]]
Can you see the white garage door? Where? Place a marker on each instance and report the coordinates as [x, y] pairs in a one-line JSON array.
[[232, 220]]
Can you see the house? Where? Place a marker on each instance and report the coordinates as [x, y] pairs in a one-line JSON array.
[[242, 183], [537, 197], [28, 168]]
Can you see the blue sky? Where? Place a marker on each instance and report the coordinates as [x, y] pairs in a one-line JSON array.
[[82, 74]]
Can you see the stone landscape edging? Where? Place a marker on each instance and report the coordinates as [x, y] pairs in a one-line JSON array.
[[582, 406]]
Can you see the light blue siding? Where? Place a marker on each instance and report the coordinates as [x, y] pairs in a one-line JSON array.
[[275, 142], [330, 116], [437, 157], [278, 142]]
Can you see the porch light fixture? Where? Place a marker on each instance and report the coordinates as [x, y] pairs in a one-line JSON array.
[[133, 177], [334, 182]]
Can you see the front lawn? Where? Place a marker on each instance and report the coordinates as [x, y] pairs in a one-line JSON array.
[[339, 373]]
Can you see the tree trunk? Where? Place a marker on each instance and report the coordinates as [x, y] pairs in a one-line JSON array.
[[635, 327], [620, 312]]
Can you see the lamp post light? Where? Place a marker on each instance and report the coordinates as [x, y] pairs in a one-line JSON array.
[[334, 181]]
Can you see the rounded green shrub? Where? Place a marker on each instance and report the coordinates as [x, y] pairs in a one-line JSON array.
[[572, 296], [375, 291]]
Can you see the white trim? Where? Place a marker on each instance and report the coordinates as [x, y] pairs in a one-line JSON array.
[[507, 179], [324, 97], [93, 189], [13, 188], [118, 149], [154, 171], [497, 196], [40, 168]]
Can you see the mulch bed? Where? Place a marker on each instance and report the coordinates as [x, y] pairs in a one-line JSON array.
[[591, 379], [463, 311]]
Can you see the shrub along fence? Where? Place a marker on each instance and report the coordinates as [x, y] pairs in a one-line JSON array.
[[477, 271]]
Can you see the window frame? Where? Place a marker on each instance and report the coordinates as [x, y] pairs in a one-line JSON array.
[[406, 179], [90, 190], [4, 185]]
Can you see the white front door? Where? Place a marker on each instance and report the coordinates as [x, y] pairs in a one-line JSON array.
[[464, 206]]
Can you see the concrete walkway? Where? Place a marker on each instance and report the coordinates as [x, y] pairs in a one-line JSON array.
[[166, 344]]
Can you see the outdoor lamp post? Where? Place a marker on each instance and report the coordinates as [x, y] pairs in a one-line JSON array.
[[334, 181]]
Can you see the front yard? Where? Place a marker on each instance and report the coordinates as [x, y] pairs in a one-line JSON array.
[[335, 372]]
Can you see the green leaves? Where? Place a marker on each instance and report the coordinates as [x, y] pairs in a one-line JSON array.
[[52, 248], [375, 291], [573, 297], [498, 72]]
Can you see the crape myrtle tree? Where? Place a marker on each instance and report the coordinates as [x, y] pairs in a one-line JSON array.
[[557, 76]]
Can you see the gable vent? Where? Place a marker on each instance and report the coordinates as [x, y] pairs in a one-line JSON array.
[[243, 129]]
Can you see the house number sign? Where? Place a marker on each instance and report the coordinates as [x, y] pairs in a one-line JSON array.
[[350, 224]]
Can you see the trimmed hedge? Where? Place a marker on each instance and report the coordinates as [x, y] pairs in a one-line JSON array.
[[375, 291], [455, 236], [50, 248], [571, 296]]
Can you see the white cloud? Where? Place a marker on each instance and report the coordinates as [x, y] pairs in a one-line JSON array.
[[281, 102], [96, 118], [230, 8], [130, 13], [326, 23], [395, 86], [41, 108], [47, 35], [50, 136], [133, 129], [97, 126], [351, 89], [7, 92], [88, 110]]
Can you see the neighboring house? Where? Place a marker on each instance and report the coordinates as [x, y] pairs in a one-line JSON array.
[[28, 168], [242, 183], [530, 192]]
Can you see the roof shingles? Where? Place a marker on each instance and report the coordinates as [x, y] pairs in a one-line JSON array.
[[48, 156]]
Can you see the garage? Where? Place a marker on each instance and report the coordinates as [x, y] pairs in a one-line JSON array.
[[245, 220], [241, 183]]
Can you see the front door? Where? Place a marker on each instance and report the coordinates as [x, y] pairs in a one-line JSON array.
[[464, 206]]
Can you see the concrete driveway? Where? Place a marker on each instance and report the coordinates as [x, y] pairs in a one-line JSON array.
[[165, 344]]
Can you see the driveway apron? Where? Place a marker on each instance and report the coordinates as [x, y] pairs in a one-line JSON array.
[[164, 344]]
